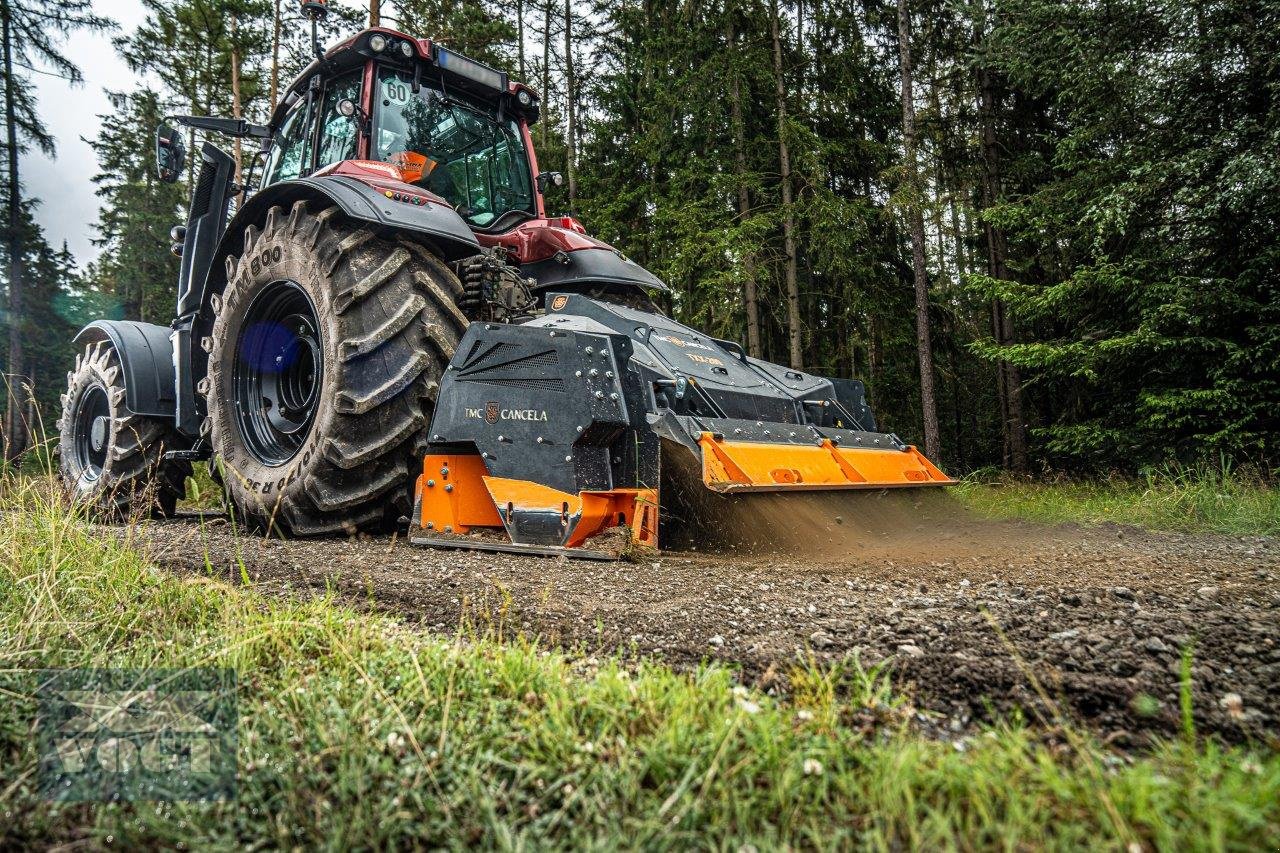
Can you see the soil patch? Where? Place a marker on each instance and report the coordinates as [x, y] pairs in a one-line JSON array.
[[973, 616]]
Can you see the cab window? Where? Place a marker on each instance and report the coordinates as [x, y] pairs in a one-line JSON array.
[[290, 154], [338, 132], [460, 151]]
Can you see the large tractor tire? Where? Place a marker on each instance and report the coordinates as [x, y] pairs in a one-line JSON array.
[[110, 457], [326, 352]]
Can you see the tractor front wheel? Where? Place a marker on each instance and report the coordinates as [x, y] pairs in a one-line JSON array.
[[324, 358]]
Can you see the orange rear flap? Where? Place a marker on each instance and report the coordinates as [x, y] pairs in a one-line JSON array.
[[731, 466]]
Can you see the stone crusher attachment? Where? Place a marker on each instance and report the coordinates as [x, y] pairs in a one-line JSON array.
[[551, 436]]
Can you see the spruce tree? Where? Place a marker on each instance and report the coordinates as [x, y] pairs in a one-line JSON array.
[[137, 211], [31, 33]]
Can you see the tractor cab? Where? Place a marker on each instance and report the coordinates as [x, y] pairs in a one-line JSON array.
[[426, 126], [449, 126]]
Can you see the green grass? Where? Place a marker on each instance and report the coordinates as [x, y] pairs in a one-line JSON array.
[[357, 732], [202, 492], [1193, 501]]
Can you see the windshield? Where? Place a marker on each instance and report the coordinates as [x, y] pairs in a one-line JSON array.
[[460, 153]]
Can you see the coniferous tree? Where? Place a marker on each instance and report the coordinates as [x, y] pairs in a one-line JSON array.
[[1140, 266], [217, 40], [473, 27], [915, 217], [54, 295], [137, 211], [30, 33]]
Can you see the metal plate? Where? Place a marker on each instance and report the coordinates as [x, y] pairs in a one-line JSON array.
[[466, 544]]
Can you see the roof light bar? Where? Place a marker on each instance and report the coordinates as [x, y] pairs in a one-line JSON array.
[[472, 70]]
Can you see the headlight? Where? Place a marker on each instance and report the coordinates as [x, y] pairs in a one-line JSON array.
[[378, 43], [524, 97], [406, 49]]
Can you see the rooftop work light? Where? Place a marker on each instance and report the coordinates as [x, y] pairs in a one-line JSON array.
[[472, 70]]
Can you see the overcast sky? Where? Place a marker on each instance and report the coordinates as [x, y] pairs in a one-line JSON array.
[[68, 207], [64, 185]]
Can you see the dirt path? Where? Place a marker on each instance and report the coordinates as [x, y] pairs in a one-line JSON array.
[[965, 609]]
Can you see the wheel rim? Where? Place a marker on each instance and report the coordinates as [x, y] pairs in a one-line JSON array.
[[277, 369], [92, 428]]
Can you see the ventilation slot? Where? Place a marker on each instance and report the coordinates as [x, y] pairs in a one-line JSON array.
[[505, 355], [545, 383], [203, 194]]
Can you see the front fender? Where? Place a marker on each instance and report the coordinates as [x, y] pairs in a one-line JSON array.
[[146, 363], [434, 224]]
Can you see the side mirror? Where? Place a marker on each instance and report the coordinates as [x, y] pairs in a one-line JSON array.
[[549, 179], [171, 154]]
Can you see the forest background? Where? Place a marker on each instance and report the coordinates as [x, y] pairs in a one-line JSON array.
[[1043, 233]]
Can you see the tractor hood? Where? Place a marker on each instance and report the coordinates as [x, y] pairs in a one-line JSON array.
[[559, 254]]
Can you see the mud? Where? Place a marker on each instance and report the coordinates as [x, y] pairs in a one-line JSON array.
[[973, 618]]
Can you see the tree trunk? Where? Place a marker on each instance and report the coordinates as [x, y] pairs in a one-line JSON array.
[[1009, 378], [749, 293], [275, 57], [375, 13], [924, 343], [546, 70], [800, 41], [788, 214], [520, 39], [962, 265], [15, 425], [571, 179], [235, 104], [875, 355]]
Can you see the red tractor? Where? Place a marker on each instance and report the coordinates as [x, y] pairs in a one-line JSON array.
[[390, 326]]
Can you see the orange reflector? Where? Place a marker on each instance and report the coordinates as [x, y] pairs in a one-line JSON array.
[[732, 466]]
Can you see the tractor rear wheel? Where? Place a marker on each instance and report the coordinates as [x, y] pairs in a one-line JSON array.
[[324, 359], [109, 456]]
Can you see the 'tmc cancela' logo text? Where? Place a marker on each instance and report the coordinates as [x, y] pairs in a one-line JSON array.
[[493, 412]]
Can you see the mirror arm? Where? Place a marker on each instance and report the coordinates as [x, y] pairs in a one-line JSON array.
[[229, 126], [249, 185]]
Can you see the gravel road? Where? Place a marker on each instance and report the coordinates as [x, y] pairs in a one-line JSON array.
[[972, 616]]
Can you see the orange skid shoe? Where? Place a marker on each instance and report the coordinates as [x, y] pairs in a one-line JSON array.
[[747, 466], [461, 506]]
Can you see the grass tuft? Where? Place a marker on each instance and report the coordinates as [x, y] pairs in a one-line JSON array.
[[1192, 500]]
